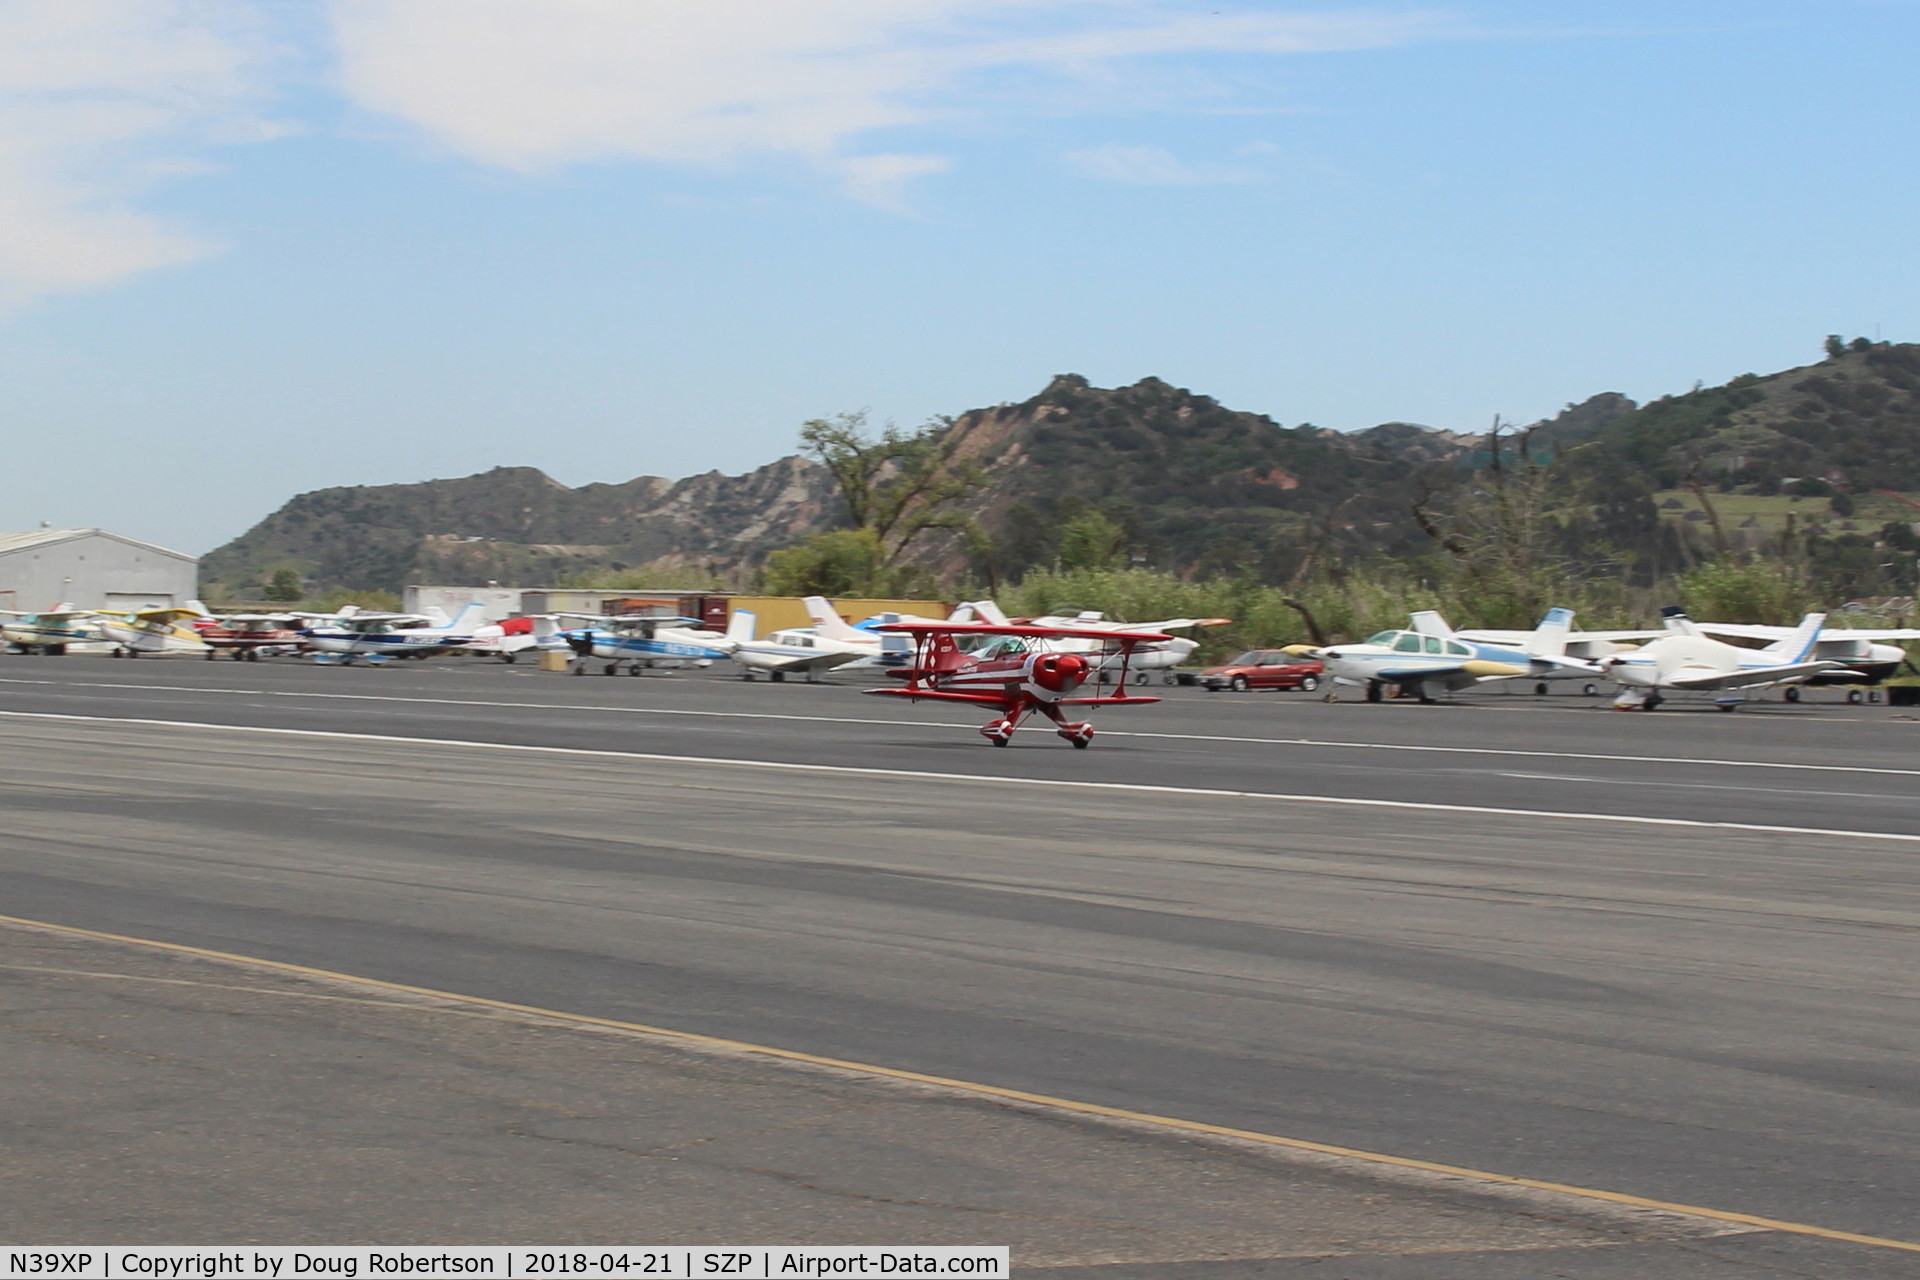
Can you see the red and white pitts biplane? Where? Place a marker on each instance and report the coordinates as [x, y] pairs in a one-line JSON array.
[[1016, 670]]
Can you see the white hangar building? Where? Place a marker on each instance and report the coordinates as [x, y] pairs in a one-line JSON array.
[[92, 568]]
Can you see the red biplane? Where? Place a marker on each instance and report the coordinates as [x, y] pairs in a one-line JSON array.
[[1015, 671]]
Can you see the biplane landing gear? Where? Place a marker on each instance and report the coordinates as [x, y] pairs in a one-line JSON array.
[[1078, 732], [998, 732]]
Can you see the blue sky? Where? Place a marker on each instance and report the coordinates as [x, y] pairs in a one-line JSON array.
[[250, 249]]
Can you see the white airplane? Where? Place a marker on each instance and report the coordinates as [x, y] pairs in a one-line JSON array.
[[1431, 658], [1862, 649], [1684, 660], [1156, 655], [807, 650], [638, 643], [51, 631], [139, 633], [378, 637]]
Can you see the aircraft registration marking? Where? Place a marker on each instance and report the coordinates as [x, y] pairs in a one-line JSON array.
[[948, 725], [981, 1089], [927, 775]]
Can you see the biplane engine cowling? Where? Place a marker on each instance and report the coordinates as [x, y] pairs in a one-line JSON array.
[[1060, 672]]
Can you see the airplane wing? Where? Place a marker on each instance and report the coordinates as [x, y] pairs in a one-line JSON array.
[[1174, 624], [1746, 631], [947, 695], [1747, 677]]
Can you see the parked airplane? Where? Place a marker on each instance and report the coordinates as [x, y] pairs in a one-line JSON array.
[[1553, 639], [246, 635], [801, 649], [1862, 650], [151, 632], [1686, 660], [1017, 671], [1430, 658], [49, 632], [505, 640], [377, 637], [642, 643]]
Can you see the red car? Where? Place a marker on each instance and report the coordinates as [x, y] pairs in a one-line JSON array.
[[1264, 669]]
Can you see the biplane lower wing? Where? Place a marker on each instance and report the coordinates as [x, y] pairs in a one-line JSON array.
[[944, 695], [1127, 701]]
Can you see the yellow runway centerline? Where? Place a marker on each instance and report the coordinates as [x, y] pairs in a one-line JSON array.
[[978, 1089]]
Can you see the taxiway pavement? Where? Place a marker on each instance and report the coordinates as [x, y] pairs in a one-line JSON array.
[[1502, 976]]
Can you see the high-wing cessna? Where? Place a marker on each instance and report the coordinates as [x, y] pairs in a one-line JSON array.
[[51, 631], [246, 635], [377, 637], [1015, 671], [1430, 658], [147, 632], [1554, 639], [1687, 661], [1864, 651], [641, 643]]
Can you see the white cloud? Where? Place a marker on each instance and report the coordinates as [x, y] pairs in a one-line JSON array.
[[97, 98], [1151, 167], [532, 84]]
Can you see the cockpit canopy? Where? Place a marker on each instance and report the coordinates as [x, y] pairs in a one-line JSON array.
[[1414, 642]]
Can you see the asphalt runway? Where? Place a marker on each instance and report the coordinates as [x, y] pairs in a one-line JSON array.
[[1669, 955]]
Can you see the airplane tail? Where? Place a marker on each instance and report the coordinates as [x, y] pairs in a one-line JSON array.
[[546, 632], [436, 617], [200, 607], [1550, 637], [1797, 646], [1428, 622], [741, 624], [987, 611], [472, 614], [1677, 622], [828, 623]]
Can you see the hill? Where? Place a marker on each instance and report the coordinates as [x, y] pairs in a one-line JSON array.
[[517, 525], [1196, 486], [1185, 484]]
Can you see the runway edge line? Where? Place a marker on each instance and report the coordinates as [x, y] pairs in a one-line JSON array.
[[979, 1089]]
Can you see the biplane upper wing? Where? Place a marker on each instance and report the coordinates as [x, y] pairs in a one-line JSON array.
[[1126, 639]]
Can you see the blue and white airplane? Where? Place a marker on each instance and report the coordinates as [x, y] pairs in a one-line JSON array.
[[638, 643], [1685, 660], [379, 637], [51, 631], [1430, 658]]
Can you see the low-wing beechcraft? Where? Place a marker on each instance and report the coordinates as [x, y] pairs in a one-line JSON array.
[[1430, 657], [1015, 671], [1685, 661]]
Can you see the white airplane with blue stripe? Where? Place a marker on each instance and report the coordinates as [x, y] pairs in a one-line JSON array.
[[639, 643], [1431, 658], [1686, 660], [380, 637]]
